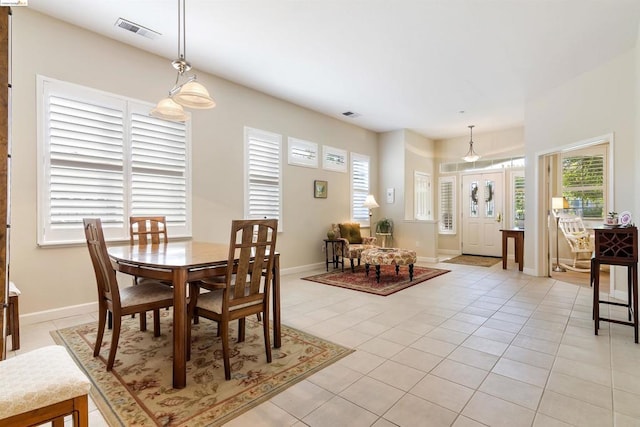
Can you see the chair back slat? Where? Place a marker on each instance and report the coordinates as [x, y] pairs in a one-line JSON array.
[[253, 244], [106, 280], [148, 230]]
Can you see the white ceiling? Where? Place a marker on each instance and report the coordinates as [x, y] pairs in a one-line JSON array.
[[401, 64]]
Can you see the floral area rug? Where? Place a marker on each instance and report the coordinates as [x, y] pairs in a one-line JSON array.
[[389, 281], [138, 391], [475, 260]]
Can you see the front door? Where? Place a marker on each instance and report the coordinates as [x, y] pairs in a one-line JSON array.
[[482, 213]]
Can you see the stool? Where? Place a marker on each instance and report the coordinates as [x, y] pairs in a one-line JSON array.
[[42, 386], [13, 317], [617, 246]]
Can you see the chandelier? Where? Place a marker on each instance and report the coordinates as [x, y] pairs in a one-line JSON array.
[[188, 93], [471, 155]]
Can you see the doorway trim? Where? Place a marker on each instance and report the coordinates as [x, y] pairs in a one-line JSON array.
[[541, 193]]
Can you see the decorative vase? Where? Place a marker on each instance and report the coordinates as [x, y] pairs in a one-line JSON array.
[[331, 235]]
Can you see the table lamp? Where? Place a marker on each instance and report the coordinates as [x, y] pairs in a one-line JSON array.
[[370, 203], [557, 204]]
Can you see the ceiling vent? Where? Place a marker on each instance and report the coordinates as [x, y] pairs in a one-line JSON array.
[[351, 114], [137, 29]]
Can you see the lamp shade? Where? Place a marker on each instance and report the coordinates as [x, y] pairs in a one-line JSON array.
[[167, 109], [559, 203], [194, 95], [370, 202]]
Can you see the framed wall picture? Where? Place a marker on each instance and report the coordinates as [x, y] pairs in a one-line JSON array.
[[320, 189]]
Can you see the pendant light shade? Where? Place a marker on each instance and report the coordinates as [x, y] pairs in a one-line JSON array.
[[471, 155], [194, 95], [168, 109], [189, 93]]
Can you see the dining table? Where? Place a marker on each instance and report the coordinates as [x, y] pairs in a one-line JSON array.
[[183, 262]]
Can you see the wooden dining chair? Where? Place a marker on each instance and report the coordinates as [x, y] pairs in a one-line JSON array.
[[148, 230], [246, 292], [119, 301]]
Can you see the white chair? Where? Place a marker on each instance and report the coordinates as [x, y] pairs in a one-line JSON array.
[[42, 386], [579, 239]]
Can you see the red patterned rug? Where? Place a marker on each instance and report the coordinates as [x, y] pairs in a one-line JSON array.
[[389, 281]]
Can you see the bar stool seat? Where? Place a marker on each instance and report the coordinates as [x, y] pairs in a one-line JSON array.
[[616, 246]]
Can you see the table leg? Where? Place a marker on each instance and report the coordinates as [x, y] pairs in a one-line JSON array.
[[397, 269], [378, 273], [326, 254], [596, 296], [179, 328], [504, 251], [277, 331], [410, 272], [366, 269], [520, 251]]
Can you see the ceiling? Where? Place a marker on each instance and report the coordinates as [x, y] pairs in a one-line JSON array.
[[401, 64]]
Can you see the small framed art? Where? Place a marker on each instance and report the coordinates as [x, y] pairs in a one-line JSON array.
[[320, 189]]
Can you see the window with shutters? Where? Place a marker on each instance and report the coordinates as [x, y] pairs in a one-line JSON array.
[[422, 195], [517, 182], [447, 198], [263, 178], [103, 156], [583, 181], [359, 188], [303, 153]]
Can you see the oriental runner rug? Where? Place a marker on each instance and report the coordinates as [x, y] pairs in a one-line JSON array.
[[138, 391], [390, 282], [475, 260]]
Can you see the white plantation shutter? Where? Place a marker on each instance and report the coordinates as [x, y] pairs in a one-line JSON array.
[[583, 182], [447, 200], [158, 165], [102, 156], [422, 195], [263, 195], [359, 187]]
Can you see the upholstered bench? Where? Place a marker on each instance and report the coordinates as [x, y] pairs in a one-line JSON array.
[[388, 256], [42, 386]]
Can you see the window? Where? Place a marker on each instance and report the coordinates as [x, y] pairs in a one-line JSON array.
[[447, 189], [104, 156], [359, 188], [303, 153], [517, 182], [422, 195], [334, 159], [583, 182], [263, 194]]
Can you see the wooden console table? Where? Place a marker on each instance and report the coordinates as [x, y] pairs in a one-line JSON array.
[[518, 236]]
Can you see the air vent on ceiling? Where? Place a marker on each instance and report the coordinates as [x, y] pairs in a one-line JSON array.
[[351, 114], [137, 29]]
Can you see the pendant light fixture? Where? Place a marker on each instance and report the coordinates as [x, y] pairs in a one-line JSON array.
[[189, 93], [471, 155]]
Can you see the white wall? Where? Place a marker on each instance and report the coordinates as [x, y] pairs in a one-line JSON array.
[[57, 277], [596, 103]]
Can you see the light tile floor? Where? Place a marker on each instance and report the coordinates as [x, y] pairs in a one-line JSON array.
[[477, 346]]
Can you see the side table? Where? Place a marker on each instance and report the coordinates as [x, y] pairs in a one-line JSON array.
[[518, 236], [335, 256], [383, 238], [616, 246]]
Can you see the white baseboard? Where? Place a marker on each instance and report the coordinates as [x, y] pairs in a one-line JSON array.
[[58, 313], [431, 260]]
